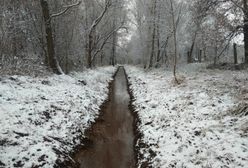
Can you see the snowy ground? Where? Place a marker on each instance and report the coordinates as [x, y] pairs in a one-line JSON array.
[[42, 119], [200, 123]]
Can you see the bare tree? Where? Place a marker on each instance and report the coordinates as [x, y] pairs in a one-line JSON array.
[[175, 40], [51, 57], [245, 29], [92, 31], [153, 12]]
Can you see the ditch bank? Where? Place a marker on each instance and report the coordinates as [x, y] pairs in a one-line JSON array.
[[138, 144], [111, 141]]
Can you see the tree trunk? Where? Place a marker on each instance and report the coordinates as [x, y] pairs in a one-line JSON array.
[[215, 54], [190, 54], [158, 53], [188, 57], [204, 53], [102, 55], [66, 65], [52, 60], [175, 42], [245, 29], [153, 35], [92, 33], [200, 56], [152, 51], [114, 38], [113, 57], [235, 53], [89, 51], [158, 40]]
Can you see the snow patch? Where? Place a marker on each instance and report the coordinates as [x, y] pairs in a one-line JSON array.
[[42, 119], [190, 125]]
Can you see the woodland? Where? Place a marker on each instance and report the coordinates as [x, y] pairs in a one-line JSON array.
[[64, 36], [123, 83]]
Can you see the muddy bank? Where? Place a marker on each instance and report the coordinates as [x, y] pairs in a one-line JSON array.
[[111, 139], [138, 135], [85, 142]]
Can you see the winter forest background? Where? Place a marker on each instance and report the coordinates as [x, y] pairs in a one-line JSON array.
[[124, 83], [70, 35]]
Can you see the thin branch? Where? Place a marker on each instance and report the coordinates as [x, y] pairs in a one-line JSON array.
[[65, 10], [179, 15], [106, 39], [117, 45], [237, 5], [229, 38], [98, 20]]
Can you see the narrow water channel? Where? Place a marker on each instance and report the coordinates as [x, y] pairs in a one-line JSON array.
[[113, 135]]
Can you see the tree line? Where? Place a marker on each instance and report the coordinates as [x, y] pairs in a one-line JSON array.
[[172, 31], [76, 34], [63, 35]]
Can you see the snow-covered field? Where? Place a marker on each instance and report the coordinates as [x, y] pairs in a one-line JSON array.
[[43, 118], [201, 123]]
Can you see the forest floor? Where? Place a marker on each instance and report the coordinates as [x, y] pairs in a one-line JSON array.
[[203, 122], [43, 118]]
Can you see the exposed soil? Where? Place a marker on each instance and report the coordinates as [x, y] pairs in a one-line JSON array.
[[228, 66], [111, 138]]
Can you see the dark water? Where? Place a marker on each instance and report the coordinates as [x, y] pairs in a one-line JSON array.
[[113, 136]]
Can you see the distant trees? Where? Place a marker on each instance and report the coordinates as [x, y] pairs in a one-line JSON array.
[[229, 15], [229, 18], [147, 14], [204, 30], [68, 35], [157, 27], [13, 32]]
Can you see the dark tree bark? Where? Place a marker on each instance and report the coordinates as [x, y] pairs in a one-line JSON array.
[[102, 56], [153, 35], [89, 50], [235, 53], [113, 60], [245, 29], [158, 40], [215, 54], [153, 48], [190, 54], [200, 56], [51, 58], [204, 53], [188, 57], [175, 42], [113, 57], [92, 31]]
